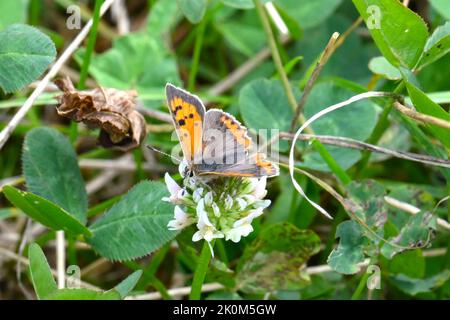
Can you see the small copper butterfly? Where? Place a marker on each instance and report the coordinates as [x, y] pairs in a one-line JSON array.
[[214, 142]]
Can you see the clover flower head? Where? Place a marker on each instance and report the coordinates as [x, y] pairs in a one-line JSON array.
[[181, 220], [223, 207]]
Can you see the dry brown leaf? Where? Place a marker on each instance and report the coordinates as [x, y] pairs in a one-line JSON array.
[[113, 111]]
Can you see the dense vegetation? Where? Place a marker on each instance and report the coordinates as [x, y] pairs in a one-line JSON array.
[[82, 95]]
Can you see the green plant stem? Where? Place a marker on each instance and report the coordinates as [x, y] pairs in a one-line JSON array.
[[332, 164], [361, 285], [337, 219], [445, 265], [196, 55], [90, 45], [275, 53], [158, 285], [363, 281], [378, 131], [221, 251], [71, 249], [73, 132], [35, 12], [185, 261], [103, 206], [150, 278], [104, 29], [86, 62], [448, 209], [138, 159], [157, 259], [200, 272]]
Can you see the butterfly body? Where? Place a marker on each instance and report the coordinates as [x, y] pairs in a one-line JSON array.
[[213, 142]]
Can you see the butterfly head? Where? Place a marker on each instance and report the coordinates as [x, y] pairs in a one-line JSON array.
[[186, 169]]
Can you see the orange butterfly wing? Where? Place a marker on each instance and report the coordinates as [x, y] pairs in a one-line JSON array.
[[187, 113]]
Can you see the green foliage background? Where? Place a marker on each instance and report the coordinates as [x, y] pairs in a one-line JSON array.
[[220, 50]]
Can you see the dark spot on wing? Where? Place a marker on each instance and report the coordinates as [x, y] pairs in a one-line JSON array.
[[177, 108], [181, 122]]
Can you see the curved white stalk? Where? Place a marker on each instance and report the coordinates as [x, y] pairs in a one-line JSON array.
[[366, 95]]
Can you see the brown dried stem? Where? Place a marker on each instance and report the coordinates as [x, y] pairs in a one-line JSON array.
[[409, 112]]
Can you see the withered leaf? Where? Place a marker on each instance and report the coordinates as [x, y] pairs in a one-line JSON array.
[[113, 111]]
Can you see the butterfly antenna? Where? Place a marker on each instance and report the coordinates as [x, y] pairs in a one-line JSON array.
[[163, 153]]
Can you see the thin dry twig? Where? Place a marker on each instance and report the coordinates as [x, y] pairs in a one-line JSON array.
[[99, 263], [60, 259], [158, 115], [176, 292], [118, 166], [323, 59], [120, 15], [276, 18], [326, 268], [20, 114], [347, 32], [360, 145], [421, 117], [160, 128], [366, 95], [23, 238], [11, 181], [334, 43], [435, 252], [106, 176], [409, 208]]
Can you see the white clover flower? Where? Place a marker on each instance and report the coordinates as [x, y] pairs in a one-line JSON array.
[[259, 192], [181, 220], [243, 227], [206, 232], [197, 195], [249, 218], [228, 202], [202, 214], [241, 203], [252, 184], [262, 204], [206, 229], [216, 209], [222, 207], [208, 198], [190, 183], [174, 189], [250, 199], [236, 233]]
